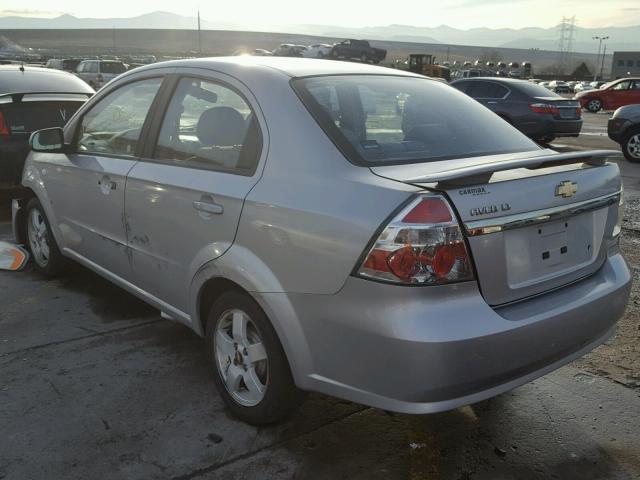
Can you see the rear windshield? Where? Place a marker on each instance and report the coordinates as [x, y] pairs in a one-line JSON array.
[[112, 67], [534, 90], [387, 120]]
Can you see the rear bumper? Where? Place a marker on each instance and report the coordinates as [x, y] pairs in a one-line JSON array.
[[549, 126], [429, 349]]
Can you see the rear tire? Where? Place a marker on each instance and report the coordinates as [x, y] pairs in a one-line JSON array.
[[41, 242], [250, 368], [594, 105], [545, 140], [631, 145]]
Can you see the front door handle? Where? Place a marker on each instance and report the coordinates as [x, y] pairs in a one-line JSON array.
[[208, 206]]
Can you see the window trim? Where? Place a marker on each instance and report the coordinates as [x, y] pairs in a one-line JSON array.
[[160, 112], [143, 129]]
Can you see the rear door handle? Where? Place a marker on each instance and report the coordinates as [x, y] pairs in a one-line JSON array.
[[208, 206]]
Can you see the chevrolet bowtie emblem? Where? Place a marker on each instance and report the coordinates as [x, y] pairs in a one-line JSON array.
[[566, 189]]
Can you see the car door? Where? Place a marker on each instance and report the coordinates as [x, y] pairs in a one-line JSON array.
[[87, 186], [618, 95], [634, 92], [185, 196]]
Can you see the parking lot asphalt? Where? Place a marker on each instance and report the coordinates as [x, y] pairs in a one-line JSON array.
[[94, 384]]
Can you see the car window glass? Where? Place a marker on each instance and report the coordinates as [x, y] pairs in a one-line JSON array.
[[621, 86], [486, 90], [378, 120], [635, 85], [114, 124], [208, 125], [112, 67]]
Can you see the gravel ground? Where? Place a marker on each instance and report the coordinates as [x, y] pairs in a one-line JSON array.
[[619, 358]]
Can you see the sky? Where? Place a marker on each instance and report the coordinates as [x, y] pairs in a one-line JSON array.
[[355, 13]]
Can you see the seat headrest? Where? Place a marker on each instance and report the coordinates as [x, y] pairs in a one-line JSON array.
[[221, 126]]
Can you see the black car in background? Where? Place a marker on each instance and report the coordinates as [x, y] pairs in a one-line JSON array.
[[624, 128], [360, 49], [32, 98], [535, 111]]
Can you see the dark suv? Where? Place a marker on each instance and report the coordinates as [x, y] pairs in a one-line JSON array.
[[535, 111]]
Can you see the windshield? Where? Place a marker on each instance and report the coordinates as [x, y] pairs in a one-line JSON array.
[[385, 120]]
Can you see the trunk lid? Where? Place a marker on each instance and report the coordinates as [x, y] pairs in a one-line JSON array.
[[569, 109], [534, 221]]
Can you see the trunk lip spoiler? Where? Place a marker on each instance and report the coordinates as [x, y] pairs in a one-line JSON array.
[[536, 217], [17, 97], [591, 157]]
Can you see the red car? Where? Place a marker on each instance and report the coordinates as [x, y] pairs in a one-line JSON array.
[[625, 91]]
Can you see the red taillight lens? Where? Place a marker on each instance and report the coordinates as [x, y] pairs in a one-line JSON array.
[[4, 129], [423, 244], [544, 108], [429, 210]]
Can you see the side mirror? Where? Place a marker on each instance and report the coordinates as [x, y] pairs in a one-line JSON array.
[[49, 140]]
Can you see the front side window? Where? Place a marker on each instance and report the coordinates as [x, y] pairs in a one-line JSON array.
[[113, 125], [210, 126], [386, 119]]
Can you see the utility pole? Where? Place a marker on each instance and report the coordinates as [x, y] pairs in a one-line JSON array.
[[604, 52], [199, 36], [600, 40]]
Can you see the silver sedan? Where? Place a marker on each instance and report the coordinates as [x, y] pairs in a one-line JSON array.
[[322, 235]]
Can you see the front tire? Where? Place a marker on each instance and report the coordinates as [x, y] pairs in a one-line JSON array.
[[250, 368], [594, 105], [631, 145], [42, 244]]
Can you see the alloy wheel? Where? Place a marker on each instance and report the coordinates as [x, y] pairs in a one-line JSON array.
[[241, 358], [633, 146], [38, 237], [594, 105]]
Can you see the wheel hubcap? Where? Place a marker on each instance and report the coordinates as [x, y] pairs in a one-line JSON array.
[[38, 237], [594, 104], [241, 358], [633, 146]]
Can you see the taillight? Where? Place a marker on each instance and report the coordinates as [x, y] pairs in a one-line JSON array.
[[423, 244], [544, 108], [4, 129]]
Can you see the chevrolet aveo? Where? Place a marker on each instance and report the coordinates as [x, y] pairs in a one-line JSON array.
[[334, 227]]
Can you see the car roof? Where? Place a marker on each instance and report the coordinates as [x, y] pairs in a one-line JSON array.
[[18, 79], [289, 66]]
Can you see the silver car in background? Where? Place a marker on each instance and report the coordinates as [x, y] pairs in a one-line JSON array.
[[415, 257]]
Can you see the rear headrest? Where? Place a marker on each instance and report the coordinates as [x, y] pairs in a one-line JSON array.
[[221, 126]]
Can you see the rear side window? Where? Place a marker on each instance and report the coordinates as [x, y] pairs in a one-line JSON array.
[[113, 125], [210, 126], [112, 67], [385, 119], [486, 90]]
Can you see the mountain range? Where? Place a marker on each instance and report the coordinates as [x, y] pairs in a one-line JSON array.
[[621, 38]]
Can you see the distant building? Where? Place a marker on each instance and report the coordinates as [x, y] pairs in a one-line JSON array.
[[625, 64]]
